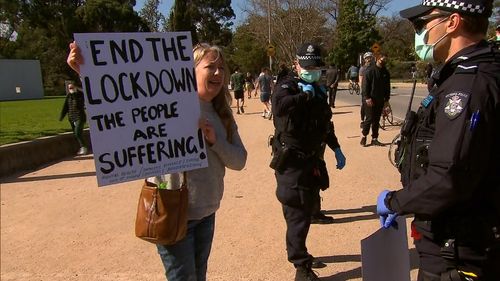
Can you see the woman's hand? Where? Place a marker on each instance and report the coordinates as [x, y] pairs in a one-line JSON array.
[[75, 58], [208, 131]]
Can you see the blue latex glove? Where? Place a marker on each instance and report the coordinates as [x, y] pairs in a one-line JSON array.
[[387, 216], [340, 158], [308, 89]]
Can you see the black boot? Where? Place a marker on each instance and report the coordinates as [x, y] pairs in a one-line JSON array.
[[305, 273], [321, 218]]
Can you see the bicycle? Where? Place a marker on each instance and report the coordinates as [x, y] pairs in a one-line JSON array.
[[387, 118], [354, 87]]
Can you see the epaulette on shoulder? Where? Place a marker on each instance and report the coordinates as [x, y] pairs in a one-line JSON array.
[[466, 69]]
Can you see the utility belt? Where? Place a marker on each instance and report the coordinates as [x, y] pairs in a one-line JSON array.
[[310, 169], [284, 155], [473, 231], [461, 241]]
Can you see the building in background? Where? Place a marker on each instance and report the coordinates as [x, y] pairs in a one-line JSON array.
[[20, 80]]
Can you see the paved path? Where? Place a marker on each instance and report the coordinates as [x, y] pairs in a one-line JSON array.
[[56, 224]]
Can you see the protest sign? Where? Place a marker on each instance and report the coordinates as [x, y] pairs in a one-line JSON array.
[[142, 104]]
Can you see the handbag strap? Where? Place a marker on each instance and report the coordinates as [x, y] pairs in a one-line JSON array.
[[184, 180]]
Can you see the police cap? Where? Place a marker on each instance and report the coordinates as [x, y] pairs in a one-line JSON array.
[[309, 55], [482, 8]]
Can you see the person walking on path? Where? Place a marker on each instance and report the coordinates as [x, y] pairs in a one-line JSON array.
[[188, 258], [332, 82], [264, 86], [302, 121], [450, 165], [249, 85], [367, 62], [237, 84], [376, 91], [74, 107]]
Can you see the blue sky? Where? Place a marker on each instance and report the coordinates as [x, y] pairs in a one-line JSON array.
[[393, 8]]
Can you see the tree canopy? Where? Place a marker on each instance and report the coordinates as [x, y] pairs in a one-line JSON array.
[[208, 20], [45, 28]]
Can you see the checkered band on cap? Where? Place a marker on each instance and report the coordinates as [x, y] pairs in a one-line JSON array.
[[456, 5], [308, 57]]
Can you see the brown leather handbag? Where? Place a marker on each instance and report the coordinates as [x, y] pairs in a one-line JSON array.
[[162, 213]]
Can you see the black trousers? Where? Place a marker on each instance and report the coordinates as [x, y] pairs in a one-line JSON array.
[[298, 203], [372, 118], [332, 94], [298, 222]]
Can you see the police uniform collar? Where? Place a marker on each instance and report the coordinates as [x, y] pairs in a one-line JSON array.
[[470, 52], [462, 56]]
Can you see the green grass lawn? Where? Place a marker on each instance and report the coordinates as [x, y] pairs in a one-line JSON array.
[[30, 119]]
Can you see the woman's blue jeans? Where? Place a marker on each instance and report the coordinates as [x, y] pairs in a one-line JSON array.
[[187, 259]]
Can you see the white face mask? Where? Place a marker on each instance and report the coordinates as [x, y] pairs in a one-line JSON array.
[[426, 51]]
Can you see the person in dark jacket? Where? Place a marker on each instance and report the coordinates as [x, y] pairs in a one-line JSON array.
[[74, 107], [376, 92], [332, 82], [302, 121], [450, 165]]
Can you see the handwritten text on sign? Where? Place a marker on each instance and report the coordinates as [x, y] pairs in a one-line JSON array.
[[142, 104]]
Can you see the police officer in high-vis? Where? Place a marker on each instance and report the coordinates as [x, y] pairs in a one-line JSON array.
[[450, 159], [302, 120]]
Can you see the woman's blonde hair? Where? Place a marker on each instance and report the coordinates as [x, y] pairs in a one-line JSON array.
[[221, 102]]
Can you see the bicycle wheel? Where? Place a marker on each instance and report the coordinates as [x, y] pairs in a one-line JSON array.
[[383, 121], [351, 89], [388, 116], [392, 150]]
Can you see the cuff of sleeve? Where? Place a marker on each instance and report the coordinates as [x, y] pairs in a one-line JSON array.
[[388, 199]]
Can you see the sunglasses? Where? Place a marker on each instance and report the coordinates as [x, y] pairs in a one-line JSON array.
[[420, 23]]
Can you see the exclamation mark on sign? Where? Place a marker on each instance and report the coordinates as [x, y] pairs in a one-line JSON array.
[[202, 144]]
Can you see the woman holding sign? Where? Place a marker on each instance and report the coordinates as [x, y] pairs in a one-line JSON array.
[[187, 259]]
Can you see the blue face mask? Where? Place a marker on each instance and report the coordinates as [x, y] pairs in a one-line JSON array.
[[310, 76]]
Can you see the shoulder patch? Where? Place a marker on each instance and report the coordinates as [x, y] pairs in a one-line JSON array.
[[425, 102], [455, 104]]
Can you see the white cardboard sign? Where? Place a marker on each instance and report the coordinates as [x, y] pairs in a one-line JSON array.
[[142, 104]]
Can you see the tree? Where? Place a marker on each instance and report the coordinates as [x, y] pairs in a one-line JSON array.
[[45, 28], [246, 51], [180, 19], [292, 22], [208, 20], [111, 16], [331, 7], [152, 16], [397, 37], [355, 32]]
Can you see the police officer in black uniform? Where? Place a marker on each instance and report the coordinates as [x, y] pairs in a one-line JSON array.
[[450, 164], [302, 120]]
